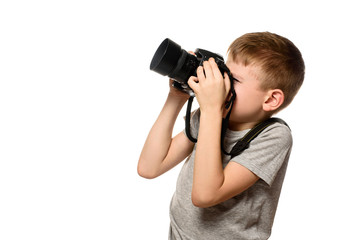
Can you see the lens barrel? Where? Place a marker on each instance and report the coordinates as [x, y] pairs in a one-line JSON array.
[[170, 60]]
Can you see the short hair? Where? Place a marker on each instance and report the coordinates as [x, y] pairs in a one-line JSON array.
[[281, 63]]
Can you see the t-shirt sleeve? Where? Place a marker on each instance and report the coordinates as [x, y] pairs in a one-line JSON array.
[[267, 152]]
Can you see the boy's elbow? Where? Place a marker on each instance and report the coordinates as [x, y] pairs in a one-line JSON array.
[[202, 201], [145, 172]]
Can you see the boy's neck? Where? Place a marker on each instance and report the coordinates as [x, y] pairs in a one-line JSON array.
[[239, 126], [236, 126]]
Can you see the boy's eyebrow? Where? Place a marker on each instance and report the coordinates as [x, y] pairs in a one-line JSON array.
[[236, 78]]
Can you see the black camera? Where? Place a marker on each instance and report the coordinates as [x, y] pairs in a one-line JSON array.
[[170, 60]]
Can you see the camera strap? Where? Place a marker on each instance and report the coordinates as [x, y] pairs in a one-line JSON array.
[[187, 120], [244, 142]]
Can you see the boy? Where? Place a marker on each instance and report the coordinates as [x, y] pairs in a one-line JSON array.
[[217, 197]]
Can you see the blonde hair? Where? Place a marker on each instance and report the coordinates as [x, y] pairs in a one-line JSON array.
[[281, 63]]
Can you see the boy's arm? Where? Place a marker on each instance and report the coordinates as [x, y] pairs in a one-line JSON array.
[[161, 152], [211, 183]]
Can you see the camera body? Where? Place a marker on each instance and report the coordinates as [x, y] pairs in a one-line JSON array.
[[172, 61]]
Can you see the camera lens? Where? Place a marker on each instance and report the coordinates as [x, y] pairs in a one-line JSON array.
[[170, 60], [165, 57]]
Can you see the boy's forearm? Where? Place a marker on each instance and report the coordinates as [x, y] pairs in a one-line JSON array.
[[208, 170], [159, 139]]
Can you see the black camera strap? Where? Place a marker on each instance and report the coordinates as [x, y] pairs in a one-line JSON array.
[[187, 120], [244, 142]]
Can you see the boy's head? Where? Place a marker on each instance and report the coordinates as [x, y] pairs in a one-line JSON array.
[[279, 61]]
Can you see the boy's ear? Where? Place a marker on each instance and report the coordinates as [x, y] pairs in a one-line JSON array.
[[273, 100]]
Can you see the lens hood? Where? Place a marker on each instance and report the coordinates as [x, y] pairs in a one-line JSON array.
[[166, 57]]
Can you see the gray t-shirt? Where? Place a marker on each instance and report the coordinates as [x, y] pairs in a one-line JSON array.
[[249, 215]]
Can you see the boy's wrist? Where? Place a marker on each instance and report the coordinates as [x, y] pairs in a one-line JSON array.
[[175, 102], [211, 113], [174, 98]]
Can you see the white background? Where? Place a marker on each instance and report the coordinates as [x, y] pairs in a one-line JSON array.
[[77, 100]]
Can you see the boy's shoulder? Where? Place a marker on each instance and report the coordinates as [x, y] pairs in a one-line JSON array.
[[280, 129], [268, 152], [278, 132]]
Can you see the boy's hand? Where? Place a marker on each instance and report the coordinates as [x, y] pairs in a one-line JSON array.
[[174, 92], [210, 87]]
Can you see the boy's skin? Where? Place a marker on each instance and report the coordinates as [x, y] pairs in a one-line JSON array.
[[212, 184]]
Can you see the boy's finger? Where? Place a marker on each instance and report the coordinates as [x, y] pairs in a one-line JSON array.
[[200, 73], [193, 82], [208, 69], [215, 69]]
